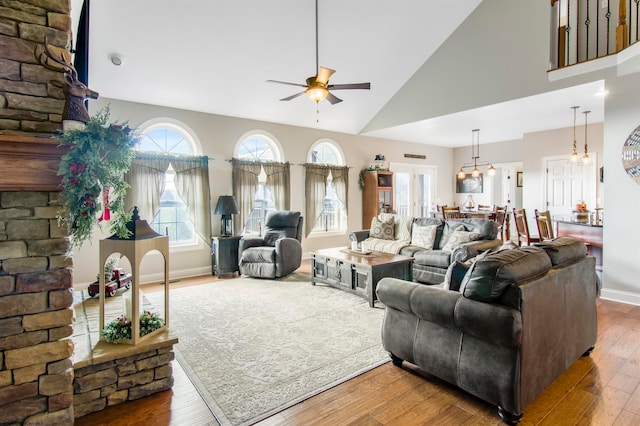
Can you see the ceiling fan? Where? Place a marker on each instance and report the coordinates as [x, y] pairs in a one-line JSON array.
[[318, 87]]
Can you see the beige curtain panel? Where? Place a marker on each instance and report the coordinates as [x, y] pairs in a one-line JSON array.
[[316, 190]]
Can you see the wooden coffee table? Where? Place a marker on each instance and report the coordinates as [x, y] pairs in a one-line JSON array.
[[358, 273]]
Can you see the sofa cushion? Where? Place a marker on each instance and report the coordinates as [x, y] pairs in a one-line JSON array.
[[563, 249], [423, 235], [259, 255], [438, 258], [425, 221], [488, 278], [383, 230], [459, 237]]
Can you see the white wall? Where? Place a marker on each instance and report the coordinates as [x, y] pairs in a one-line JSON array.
[[219, 135], [621, 230]]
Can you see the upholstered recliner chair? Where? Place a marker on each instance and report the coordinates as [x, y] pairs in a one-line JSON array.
[[278, 252]]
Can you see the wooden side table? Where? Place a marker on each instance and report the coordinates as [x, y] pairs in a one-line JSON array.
[[224, 254]]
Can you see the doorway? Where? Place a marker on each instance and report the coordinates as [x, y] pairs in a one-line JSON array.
[[568, 184], [414, 189]]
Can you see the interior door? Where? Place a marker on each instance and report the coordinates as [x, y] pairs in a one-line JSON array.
[[568, 184], [414, 189]]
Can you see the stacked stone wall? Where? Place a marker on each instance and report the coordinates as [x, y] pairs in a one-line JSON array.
[[29, 102], [122, 379], [36, 315]]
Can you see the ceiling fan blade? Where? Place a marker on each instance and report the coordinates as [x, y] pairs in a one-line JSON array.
[[365, 86], [333, 99], [286, 82], [324, 74], [288, 98]]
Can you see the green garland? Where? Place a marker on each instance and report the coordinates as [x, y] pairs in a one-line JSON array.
[[369, 169], [97, 159], [119, 330]]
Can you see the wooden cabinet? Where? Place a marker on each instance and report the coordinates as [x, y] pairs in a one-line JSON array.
[[377, 196]]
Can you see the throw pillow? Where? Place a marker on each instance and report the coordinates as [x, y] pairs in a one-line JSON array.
[[424, 236], [458, 238], [382, 230], [455, 273]]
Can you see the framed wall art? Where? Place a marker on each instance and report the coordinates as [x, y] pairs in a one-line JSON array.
[[469, 184], [519, 179]]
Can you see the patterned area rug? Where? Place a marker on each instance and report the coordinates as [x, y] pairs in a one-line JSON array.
[[253, 347]]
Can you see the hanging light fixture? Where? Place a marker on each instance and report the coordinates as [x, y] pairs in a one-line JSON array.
[[585, 157], [574, 154], [475, 155]]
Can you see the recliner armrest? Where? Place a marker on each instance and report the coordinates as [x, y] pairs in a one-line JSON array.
[[288, 255], [246, 243]]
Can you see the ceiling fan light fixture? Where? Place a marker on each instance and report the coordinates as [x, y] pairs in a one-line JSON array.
[[317, 93]]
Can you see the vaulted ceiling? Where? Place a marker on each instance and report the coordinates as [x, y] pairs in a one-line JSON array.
[[215, 56]]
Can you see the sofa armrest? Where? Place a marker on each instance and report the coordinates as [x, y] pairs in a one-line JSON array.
[[430, 303], [359, 236], [473, 248]]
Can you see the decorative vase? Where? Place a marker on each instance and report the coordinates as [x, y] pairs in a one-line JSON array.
[[469, 204]]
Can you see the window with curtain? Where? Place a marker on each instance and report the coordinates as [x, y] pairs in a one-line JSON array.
[[260, 182], [170, 184], [326, 188]]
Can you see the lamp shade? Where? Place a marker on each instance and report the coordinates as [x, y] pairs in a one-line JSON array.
[[226, 205]]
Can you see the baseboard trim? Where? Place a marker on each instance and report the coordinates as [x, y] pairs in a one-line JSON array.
[[175, 275], [621, 296]]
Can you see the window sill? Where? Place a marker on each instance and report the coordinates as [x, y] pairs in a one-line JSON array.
[[314, 234], [180, 248]]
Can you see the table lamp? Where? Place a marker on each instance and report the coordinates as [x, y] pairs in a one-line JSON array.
[[226, 207]]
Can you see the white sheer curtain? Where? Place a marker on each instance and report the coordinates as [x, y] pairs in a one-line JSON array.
[[146, 178]]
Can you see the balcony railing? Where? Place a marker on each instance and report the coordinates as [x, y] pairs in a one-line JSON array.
[[582, 30]]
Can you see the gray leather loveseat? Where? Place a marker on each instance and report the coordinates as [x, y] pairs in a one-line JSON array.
[[519, 320], [430, 264]]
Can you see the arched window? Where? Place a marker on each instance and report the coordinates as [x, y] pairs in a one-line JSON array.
[[329, 211], [170, 138], [260, 154]]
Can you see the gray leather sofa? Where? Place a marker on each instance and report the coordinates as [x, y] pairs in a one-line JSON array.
[[430, 266], [520, 319], [278, 252]]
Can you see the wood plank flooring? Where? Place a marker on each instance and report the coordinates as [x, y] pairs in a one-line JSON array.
[[602, 389]]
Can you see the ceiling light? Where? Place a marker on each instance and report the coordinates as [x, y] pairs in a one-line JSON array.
[[317, 93], [574, 154], [585, 157], [116, 59], [475, 155]]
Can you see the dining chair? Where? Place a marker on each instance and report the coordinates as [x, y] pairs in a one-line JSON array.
[[522, 227], [545, 226], [451, 212], [501, 218]]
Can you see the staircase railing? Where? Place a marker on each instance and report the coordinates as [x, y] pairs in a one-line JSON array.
[[582, 30]]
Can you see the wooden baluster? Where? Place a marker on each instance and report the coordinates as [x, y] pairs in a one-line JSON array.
[[622, 41]]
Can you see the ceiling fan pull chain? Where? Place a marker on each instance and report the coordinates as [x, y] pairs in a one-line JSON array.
[[317, 112]]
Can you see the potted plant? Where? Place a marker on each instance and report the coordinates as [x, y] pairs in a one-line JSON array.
[[92, 171]]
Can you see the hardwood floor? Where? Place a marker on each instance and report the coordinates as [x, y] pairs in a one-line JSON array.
[[602, 389]]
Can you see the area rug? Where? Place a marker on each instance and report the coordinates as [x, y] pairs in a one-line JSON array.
[[253, 347]]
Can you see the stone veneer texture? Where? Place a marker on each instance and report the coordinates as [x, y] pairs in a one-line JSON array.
[[122, 379], [29, 102], [36, 315]]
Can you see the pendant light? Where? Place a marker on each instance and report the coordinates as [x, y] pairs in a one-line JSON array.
[[475, 155], [585, 157], [574, 154]]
